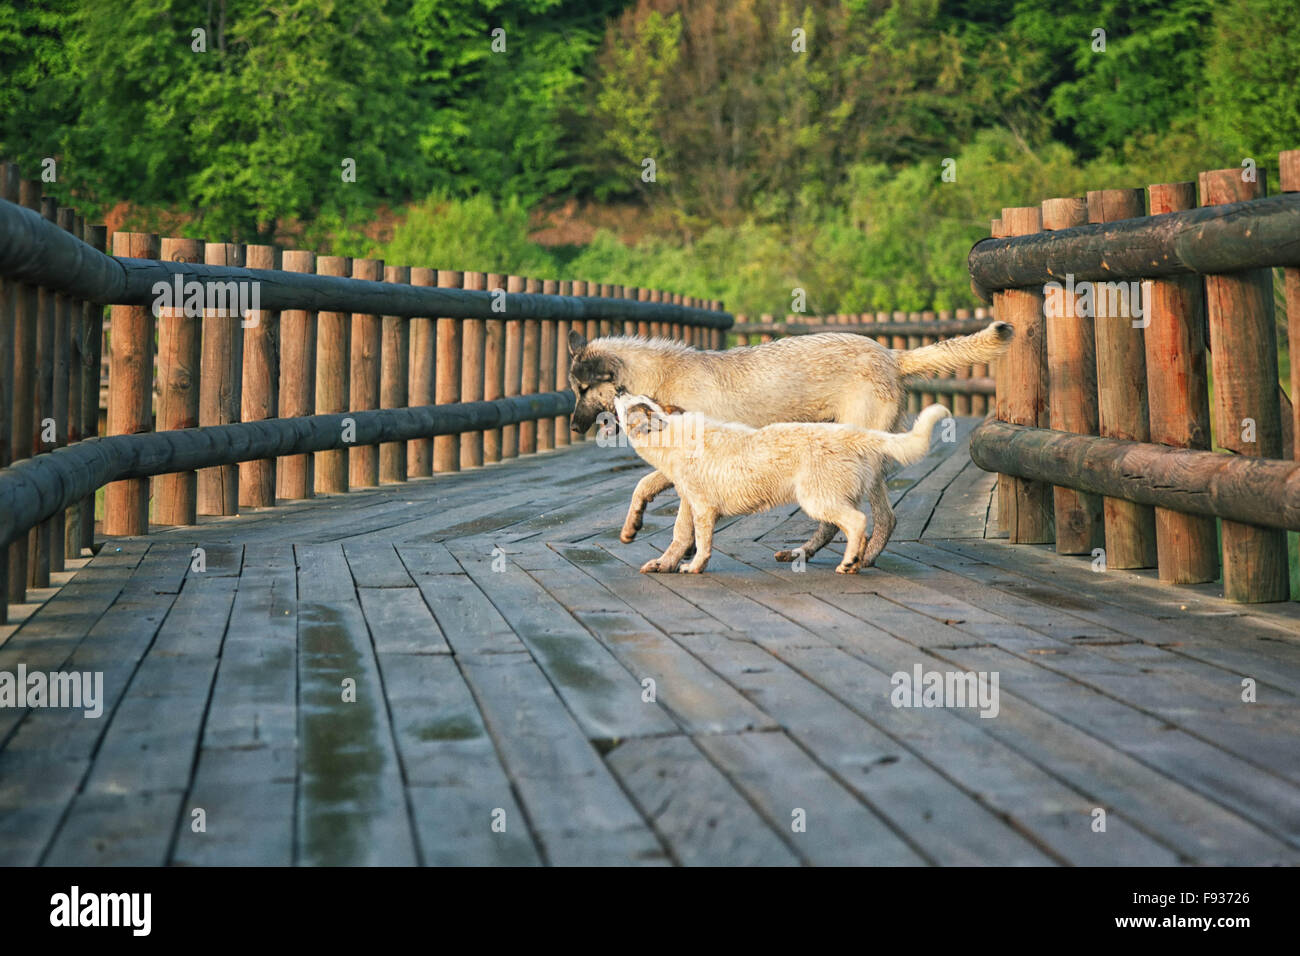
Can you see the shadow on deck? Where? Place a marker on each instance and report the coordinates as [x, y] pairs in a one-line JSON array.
[[470, 670]]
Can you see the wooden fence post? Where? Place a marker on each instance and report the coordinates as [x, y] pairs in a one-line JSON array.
[[296, 474], [471, 373], [179, 361], [76, 421], [9, 292], [60, 406], [514, 366], [643, 325], [928, 398], [1030, 520], [531, 370], [446, 448], [1187, 545], [1072, 391], [961, 404], [494, 364], [130, 391], [40, 550], [260, 384], [1289, 173], [363, 380], [333, 378], [546, 368], [220, 384], [394, 379], [1121, 388], [1247, 417], [979, 404], [93, 322], [419, 451], [562, 437]]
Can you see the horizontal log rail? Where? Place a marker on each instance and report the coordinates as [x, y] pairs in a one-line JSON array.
[[1255, 491], [942, 328], [1208, 240], [37, 488], [36, 251]]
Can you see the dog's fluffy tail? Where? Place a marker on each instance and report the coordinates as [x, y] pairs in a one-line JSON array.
[[953, 354], [909, 447]]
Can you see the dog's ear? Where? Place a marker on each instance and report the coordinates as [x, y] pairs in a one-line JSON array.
[[577, 341], [672, 409], [639, 421]]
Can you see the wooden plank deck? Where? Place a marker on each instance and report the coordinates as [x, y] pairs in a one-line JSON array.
[[470, 670]]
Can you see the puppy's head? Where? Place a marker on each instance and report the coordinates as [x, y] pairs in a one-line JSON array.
[[593, 376], [640, 416]]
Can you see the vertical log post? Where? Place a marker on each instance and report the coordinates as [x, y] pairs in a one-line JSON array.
[[41, 538], [62, 407], [1025, 372], [259, 389], [76, 419], [961, 404], [643, 325], [1187, 545], [179, 360], [494, 364], [9, 292], [928, 398], [531, 370], [363, 378], [546, 368], [296, 474], [333, 378], [446, 448], [562, 368], [471, 373], [1122, 388], [979, 404], [514, 366], [1247, 417], [394, 379], [1072, 390], [220, 382], [419, 451], [93, 322], [1289, 173], [130, 391]]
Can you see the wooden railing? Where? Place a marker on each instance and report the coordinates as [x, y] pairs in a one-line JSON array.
[[1104, 415], [330, 374], [969, 390]]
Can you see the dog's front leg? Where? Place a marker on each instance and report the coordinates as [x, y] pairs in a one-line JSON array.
[[704, 521], [646, 491], [683, 537]]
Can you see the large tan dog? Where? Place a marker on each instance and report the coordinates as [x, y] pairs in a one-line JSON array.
[[828, 377], [725, 468]]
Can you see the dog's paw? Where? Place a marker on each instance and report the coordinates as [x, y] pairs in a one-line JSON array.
[[691, 568], [785, 557], [850, 567], [651, 567], [627, 535]]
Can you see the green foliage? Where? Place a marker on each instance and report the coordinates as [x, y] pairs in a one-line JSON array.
[[1252, 67], [472, 234]]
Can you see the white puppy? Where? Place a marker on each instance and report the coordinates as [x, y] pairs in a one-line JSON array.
[[726, 468]]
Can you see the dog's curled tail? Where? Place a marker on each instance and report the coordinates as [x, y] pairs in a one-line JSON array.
[[952, 354], [909, 447]]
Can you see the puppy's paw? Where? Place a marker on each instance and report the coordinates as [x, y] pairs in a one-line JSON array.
[[628, 535], [785, 557], [848, 567], [691, 568], [651, 567]]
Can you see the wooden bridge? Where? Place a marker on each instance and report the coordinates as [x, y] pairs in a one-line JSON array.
[[379, 614]]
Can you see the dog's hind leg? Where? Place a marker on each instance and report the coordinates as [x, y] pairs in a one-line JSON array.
[[820, 538], [646, 490], [683, 537], [883, 522]]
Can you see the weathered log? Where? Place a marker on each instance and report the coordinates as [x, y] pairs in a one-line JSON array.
[[1210, 240], [943, 329], [1254, 491], [42, 254], [32, 490], [953, 386]]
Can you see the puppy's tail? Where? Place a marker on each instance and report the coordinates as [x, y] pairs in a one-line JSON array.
[[912, 446], [953, 354]]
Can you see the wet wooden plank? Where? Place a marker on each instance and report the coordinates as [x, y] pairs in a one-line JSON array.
[[602, 694], [697, 811], [376, 566], [351, 804], [401, 622], [579, 813]]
